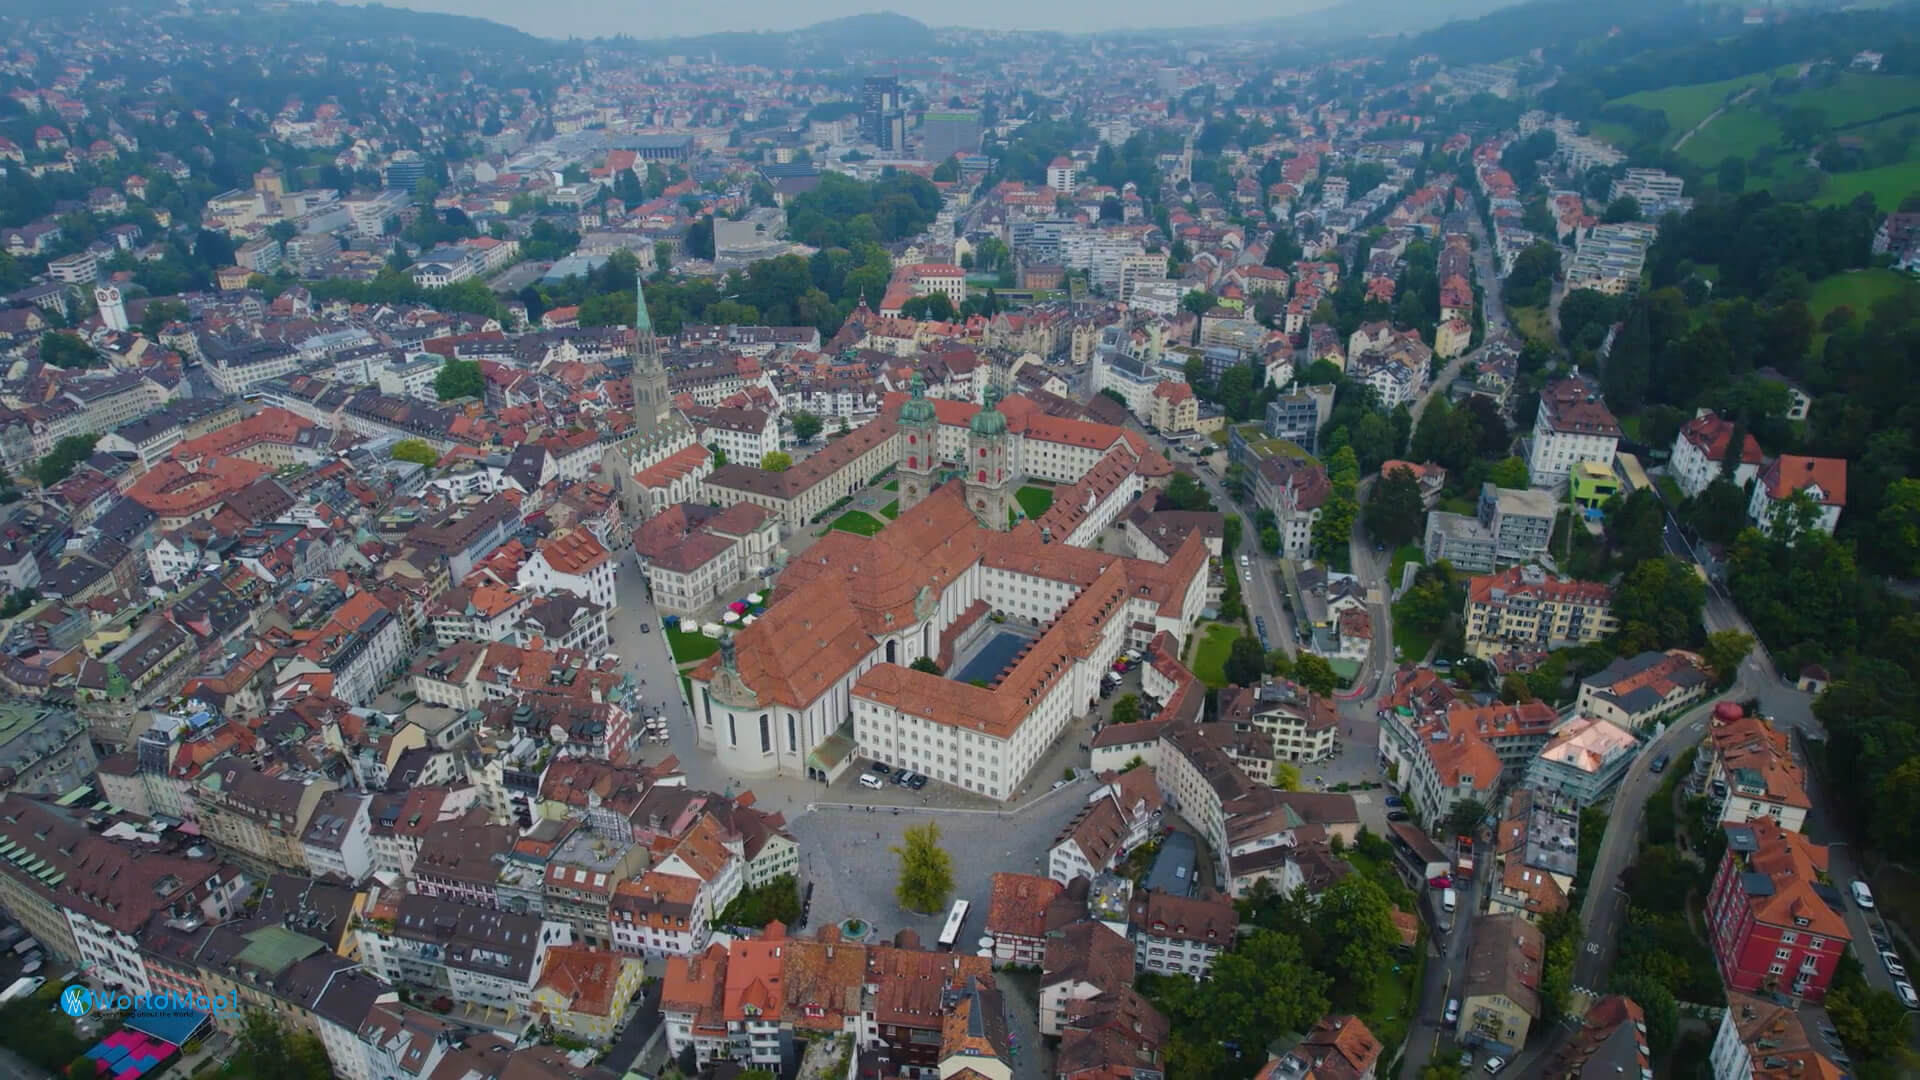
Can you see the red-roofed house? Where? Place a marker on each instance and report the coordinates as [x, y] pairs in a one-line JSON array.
[[571, 561], [1700, 448], [1772, 929], [1824, 480]]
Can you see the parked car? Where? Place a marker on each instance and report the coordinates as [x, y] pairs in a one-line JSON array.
[[1894, 967], [1903, 990], [1862, 895], [868, 780], [919, 781], [1466, 1060], [1441, 882], [1494, 1065], [1398, 815], [645, 629], [879, 767], [1396, 802]]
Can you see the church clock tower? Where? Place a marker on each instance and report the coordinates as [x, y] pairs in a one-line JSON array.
[[652, 401], [919, 445], [986, 465]]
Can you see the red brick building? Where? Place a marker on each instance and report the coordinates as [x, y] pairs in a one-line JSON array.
[[1774, 925]]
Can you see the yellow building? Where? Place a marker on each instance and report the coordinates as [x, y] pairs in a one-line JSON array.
[[1525, 609], [587, 993]]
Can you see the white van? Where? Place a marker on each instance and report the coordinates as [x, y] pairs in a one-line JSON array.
[[868, 780], [1862, 895], [1447, 901]]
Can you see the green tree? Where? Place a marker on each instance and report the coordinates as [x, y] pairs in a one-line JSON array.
[[1658, 606], [806, 426], [459, 379], [776, 461], [756, 907], [1514, 689], [1286, 776], [1658, 1004], [417, 451], [1312, 671], [1333, 529], [926, 870], [1723, 652], [1395, 513], [1509, 473], [60, 462], [927, 664], [933, 306], [1197, 302], [1261, 986], [158, 313], [1732, 174], [1623, 209], [1897, 823], [1353, 920], [1126, 709], [1898, 527], [1465, 816], [1185, 493], [268, 1050], [1871, 1022], [68, 351], [1660, 878], [719, 455], [1246, 661]]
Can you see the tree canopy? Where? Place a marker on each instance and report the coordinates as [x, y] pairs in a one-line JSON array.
[[459, 379], [926, 870]]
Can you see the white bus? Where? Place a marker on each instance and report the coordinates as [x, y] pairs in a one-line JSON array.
[[951, 932], [22, 987]]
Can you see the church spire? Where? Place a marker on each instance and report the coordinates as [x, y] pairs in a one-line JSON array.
[[650, 391]]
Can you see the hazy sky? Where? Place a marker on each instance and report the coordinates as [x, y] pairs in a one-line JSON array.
[[588, 18]]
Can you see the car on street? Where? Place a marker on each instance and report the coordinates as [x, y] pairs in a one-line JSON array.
[[1894, 967], [1441, 882], [1862, 895], [879, 767], [1903, 990], [1453, 1010], [1466, 1060], [1494, 1065], [918, 781], [1396, 801], [1398, 815], [1659, 765]]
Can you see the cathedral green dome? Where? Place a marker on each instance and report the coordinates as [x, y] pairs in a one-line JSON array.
[[989, 420], [917, 410]]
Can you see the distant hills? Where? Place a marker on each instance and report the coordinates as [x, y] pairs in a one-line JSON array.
[[884, 33], [1371, 18]]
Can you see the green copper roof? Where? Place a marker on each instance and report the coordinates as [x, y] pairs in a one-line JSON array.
[[917, 410], [989, 420], [641, 320]]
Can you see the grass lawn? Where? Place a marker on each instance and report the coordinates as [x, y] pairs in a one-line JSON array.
[[1403, 555], [1686, 106], [1391, 1012], [1630, 427], [1856, 97], [1738, 132], [891, 510], [1457, 504], [1888, 185], [1670, 489], [860, 522], [1210, 656], [1034, 500], [1532, 323], [1412, 642], [893, 485], [690, 645], [1856, 289]]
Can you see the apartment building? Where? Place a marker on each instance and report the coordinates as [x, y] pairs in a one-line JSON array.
[[1634, 692], [1821, 481], [1303, 725], [1573, 425], [1175, 934], [1293, 489], [1584, 760], [484, 957], [1536, 849], [1761, 1038], [257, 819], [1511, 525], [1023, 910], [1750, 771], [572, 561], [1523, 608], [1500, 991], [1700, 454], [587, 993], [1774, 924]]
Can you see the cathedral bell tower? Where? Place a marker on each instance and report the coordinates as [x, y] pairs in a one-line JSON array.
[[919, 445], [651, 399], [986, 465]]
